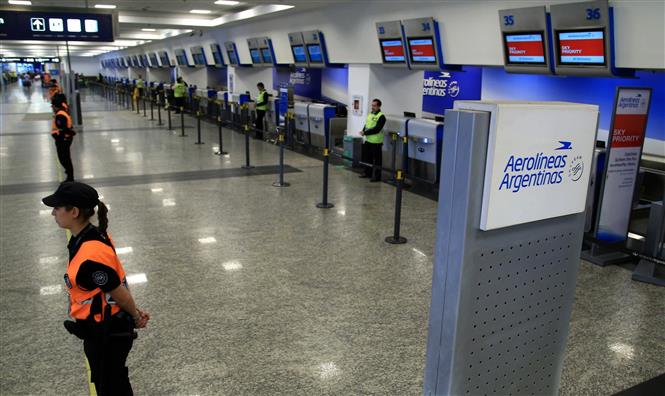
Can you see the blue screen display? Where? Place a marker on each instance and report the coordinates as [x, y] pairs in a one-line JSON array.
[[299, 54], [256, 56], [315, 55], [267, 56], [233, 58]]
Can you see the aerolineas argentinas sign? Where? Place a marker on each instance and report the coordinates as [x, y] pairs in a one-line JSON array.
[[538, 159]]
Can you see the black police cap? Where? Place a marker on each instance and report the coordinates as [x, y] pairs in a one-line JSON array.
[[75, 194]]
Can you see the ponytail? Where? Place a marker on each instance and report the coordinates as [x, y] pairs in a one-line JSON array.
[[102, 216]]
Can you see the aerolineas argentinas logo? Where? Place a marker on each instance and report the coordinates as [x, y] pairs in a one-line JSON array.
[[540, 169]]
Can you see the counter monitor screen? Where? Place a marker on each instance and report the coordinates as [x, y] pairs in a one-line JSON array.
[[267, 56], [524, 48], [256, 55], [392, 51], [421, 50], [581, 47], [153, 60], [315, 55], [299, 54], [217, 56], [233, 58]]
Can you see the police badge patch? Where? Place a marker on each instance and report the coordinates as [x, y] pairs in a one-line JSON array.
[[100, 278]]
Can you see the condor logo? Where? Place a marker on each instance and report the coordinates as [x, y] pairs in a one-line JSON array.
[[540, 169]]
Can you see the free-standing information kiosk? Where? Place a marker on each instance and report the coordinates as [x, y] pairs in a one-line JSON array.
[[507, 249]]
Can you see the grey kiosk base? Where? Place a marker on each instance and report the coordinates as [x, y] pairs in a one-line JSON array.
[[501, 299]]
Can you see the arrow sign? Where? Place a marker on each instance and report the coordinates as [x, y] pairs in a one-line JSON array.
[[37, 24]]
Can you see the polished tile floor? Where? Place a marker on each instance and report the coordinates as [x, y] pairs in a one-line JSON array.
[[252, 289]]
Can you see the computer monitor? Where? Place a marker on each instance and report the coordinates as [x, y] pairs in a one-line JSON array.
[[233, 57], [525, 48], [256, 55], [392, 51], [421, 50], [267, 55], [315, 54], [581, 47], [299, 53]]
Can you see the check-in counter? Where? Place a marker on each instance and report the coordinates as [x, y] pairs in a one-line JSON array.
[[271, 119], [425, 139], [319, 123], [236, 100], [223, 98], [301, 113], [392, 154]]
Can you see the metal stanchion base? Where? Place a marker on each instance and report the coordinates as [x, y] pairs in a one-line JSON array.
[[278, 184], [220, 153], [325, 206], [395, 241], [199, 143], [247, 166]]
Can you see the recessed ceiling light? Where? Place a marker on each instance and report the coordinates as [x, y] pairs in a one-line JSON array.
[[148, 30], [200, 11], [227, 2], [20, 2], [110, 6]]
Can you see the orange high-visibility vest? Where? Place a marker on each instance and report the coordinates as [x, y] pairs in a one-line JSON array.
[[53, 90], [68, 133], [80, 300]]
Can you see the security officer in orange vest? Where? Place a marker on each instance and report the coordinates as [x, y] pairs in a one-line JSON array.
[[99, 299], [63, 134], [55, 89]]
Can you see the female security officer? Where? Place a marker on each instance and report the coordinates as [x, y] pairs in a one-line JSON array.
[[62, 133], [99, 299]]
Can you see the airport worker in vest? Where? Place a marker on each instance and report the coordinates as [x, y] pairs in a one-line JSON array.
[[261, 108], [179, 92], [54, 89], [104, 312], [63, 133], [140, 85], [373, 133]]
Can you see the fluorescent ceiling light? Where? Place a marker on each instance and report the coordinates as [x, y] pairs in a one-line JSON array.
[[200, 11], [148, 30], [227, 2], [20, 2], [109, 6]]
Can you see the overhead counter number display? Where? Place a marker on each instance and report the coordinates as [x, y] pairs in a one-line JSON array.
[[421, 50], [59, 26], [524, 48], [392, 50], [582, 47]]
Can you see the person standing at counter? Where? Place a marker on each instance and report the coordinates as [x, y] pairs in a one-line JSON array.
[[261, 108], [179, 91], [373, 133]]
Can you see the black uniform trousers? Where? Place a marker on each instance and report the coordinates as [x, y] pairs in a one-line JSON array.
[[374, 156], [260, 115], [179, 103], [65, 157], [107, 355]]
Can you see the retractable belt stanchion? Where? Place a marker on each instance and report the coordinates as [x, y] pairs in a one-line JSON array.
[[182, 122], [324, 204], [393, 167], [168, 111], [396, 239], [198, 127], [152, 112], [245, 117], [159, 110], [280, 139], [143, 100], [219, 132], [138, 106]]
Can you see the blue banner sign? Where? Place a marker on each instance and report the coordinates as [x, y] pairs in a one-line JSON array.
[[55, 26], [306, 82], [442, 88]]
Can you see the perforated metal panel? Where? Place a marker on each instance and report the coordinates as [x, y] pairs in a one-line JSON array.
[[501, 299]]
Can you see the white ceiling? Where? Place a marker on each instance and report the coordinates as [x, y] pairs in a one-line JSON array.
[[168, 17]]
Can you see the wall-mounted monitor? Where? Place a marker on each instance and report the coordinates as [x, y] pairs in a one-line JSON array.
[[581, 47], [315, 54], [153, 60], [255, 54], [136, 61], [392, 50], [299, 53], [232, 53], [266, 55], [199, 56], [422, 51], [217, 57], [164, 59], [181, 57], [525, 48]]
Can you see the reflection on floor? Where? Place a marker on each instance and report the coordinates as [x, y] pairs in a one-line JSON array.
[[252, 289]]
